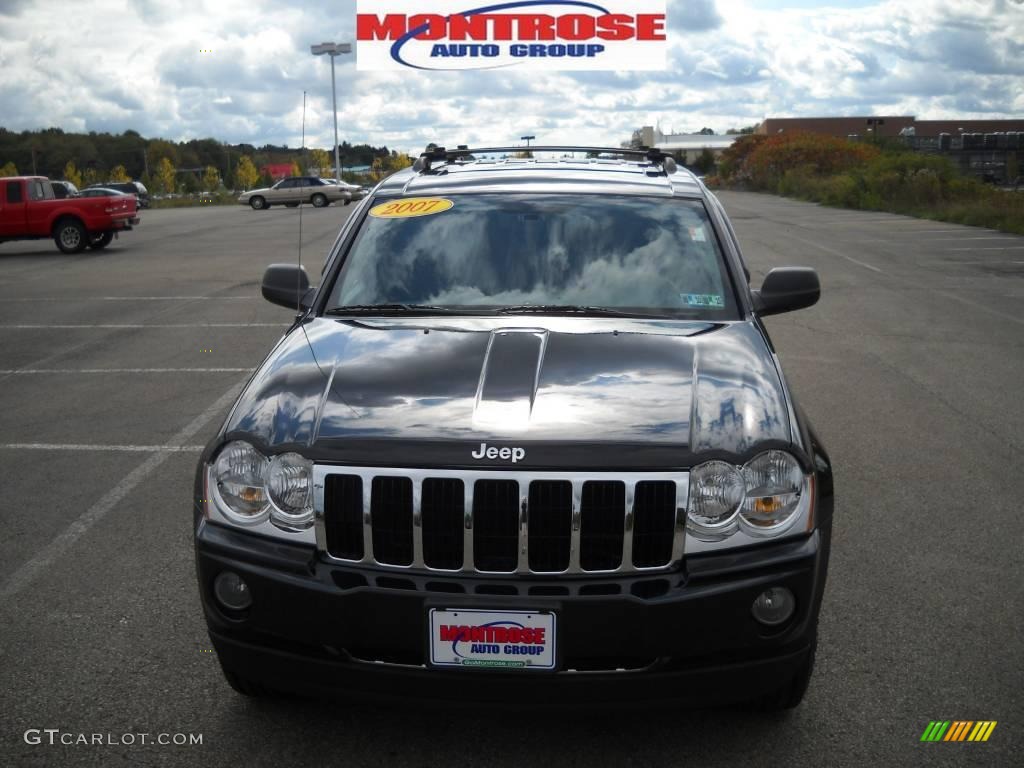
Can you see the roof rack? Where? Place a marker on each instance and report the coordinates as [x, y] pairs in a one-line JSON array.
[[441, 155]]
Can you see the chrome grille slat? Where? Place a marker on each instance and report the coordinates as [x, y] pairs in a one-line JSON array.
[[627, 528], [495, 531], [574, 529], [417, 522], [523, 548]]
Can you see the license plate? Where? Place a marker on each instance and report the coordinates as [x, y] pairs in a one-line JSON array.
[[494, 639]]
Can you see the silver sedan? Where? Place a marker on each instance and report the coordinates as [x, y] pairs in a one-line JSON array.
[[295, 191]]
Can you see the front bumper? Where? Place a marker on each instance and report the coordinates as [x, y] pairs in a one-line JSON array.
[[324, 629]]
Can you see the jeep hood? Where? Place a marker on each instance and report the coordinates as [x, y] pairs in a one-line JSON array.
[[572, 391]]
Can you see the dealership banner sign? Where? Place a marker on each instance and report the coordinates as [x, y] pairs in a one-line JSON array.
[[404, 35]]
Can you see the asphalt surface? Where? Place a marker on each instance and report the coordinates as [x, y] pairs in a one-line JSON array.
[[116, 365]]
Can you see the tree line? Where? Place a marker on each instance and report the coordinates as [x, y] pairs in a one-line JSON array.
[[165, 166]]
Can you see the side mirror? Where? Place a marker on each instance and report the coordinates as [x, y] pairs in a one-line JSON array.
[[287, 285], [787, 288]]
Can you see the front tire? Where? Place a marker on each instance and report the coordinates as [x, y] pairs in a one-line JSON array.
[[258, 203], [100, 241], [70, 236], [319, 201]]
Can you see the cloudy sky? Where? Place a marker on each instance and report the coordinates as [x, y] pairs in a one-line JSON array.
[[111, 65]]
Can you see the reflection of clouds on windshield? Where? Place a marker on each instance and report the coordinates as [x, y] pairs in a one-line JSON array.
[[552, 250]]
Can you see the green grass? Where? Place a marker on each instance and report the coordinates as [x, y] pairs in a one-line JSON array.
[[205, 201]]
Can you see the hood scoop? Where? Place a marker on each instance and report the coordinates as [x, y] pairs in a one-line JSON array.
[[509, 379]]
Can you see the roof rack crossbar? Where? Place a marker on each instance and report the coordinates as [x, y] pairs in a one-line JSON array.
[[440, 154]]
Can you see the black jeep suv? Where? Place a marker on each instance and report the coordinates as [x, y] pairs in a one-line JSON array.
[[528, 439]]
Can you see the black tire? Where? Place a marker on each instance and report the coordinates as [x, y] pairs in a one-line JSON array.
[[319, 201], [258, 203], [102, 240], [792, 693], [70, 236], [291, 205]]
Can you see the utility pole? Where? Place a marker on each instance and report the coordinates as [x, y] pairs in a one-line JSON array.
[[332, 50]]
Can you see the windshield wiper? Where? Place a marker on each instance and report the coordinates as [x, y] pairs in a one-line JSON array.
[[369, 309], [555, 309]]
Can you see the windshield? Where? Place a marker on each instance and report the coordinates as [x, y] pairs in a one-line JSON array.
[[489, 252]]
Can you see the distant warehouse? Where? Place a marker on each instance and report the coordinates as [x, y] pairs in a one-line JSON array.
[[987, 149], [886, 125]]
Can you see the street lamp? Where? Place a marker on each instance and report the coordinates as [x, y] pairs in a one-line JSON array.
[[527, 139], [332, 50]]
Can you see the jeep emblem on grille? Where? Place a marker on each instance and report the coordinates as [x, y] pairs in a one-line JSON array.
[[516, 454]]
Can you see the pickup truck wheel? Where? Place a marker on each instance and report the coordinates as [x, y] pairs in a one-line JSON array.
[[258, 203], [319, 201], [102, 240], [70, 236]]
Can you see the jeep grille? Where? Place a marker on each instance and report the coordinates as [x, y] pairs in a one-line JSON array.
[[500, 522]]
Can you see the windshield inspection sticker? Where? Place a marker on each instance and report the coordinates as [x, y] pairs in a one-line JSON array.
[[411, 206], [713, 300], [697, 235]]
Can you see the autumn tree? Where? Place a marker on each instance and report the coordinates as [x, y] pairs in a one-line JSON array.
[[211, 178], [318, 161], [246, 174], [71, 174], [705, 162], [8, 169], [397, 161], [163, 178], [119, 174], [296, 171], [159, 149], [90, 176]]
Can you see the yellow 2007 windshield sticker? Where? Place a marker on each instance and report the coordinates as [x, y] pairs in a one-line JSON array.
[[408, 207]]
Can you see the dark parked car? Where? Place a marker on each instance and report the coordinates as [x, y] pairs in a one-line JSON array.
[[136, 188], [101, 192], [527, 440], [63, 189]]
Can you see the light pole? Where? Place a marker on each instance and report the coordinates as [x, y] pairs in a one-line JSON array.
[[527, 139], [332, 50]]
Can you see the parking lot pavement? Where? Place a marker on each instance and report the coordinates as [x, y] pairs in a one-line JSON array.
[[116, 364]]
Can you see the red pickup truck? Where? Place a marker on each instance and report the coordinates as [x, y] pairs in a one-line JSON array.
[[29, 211]]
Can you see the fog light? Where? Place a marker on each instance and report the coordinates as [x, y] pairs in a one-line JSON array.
[[231, 591], [774, 606]]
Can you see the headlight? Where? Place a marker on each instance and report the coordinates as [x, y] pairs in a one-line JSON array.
[[774, 482], [761, 498], [290, 487], [716, 493], [239, 477]]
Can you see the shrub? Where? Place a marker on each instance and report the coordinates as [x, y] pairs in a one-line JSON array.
[[842, 173]]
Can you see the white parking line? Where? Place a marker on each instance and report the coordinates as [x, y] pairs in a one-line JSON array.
[[989, 248], [29, 371], [83, 447], [821, 247], [966, 239], [49, 554], [69, 326]]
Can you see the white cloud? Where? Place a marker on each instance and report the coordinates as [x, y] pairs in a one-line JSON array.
[[144, 65]]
